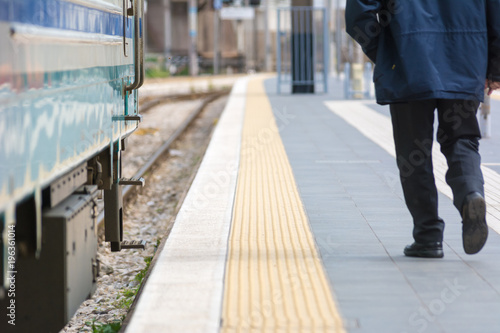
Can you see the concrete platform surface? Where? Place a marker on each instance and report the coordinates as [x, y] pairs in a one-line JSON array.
[[328, 163]]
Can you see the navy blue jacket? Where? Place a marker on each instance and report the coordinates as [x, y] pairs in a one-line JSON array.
[[428, 49]]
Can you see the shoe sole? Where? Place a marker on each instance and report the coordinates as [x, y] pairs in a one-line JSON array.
[[425, 254], [475, 229]]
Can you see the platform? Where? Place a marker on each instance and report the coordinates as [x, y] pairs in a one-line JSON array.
[[296, 222]]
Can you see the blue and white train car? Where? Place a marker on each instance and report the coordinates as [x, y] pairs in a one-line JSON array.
[[69, 74]]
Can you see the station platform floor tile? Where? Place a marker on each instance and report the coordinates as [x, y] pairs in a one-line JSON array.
[[322, 168]]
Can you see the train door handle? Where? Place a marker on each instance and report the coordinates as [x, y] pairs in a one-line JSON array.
[[138, 12]]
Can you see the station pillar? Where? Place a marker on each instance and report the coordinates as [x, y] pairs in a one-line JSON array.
[[302, 47]]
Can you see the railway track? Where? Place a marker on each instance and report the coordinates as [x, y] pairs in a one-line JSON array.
[[158, 200], [149, 102], [129, 190]]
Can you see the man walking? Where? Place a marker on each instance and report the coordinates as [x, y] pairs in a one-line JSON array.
[[434, 54]]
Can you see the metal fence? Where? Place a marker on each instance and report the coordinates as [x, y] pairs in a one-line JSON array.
[[302, 49]]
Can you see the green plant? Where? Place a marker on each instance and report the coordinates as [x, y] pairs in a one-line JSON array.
[[156, 73], [126, 299], [129, 292], [183, 72], [140, 276], [97, 327], [158, 242]]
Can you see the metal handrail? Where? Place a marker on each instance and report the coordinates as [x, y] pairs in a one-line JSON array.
[[142, 31], [125, 25], [138, 7]]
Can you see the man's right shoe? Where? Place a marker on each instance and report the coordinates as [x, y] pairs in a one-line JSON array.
[[427, 250], [474, 228]]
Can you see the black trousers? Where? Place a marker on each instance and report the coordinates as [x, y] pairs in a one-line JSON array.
[[458, 134]]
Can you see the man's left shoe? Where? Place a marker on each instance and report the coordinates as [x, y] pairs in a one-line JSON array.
[[474, 228], [427, 250]]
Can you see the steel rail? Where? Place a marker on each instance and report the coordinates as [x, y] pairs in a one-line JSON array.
[[151, 101], [129, 190]]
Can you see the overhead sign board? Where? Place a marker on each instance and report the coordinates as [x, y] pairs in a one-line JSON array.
[[237, 13]]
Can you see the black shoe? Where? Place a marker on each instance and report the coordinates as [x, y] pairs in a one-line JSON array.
[[427, 250], [474, 228]]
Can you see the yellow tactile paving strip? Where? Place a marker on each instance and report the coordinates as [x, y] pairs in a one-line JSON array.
[[275, 280]]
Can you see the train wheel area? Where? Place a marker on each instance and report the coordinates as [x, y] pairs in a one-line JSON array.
[[149, 213]]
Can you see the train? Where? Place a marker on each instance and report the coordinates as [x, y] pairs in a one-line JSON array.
[[69, 77]]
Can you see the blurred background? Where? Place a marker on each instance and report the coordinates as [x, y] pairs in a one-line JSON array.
[[197, 37]]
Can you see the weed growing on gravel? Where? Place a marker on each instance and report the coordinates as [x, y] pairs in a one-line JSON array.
[[140, 276], [98, 327], [126, 298], [158, 241]]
